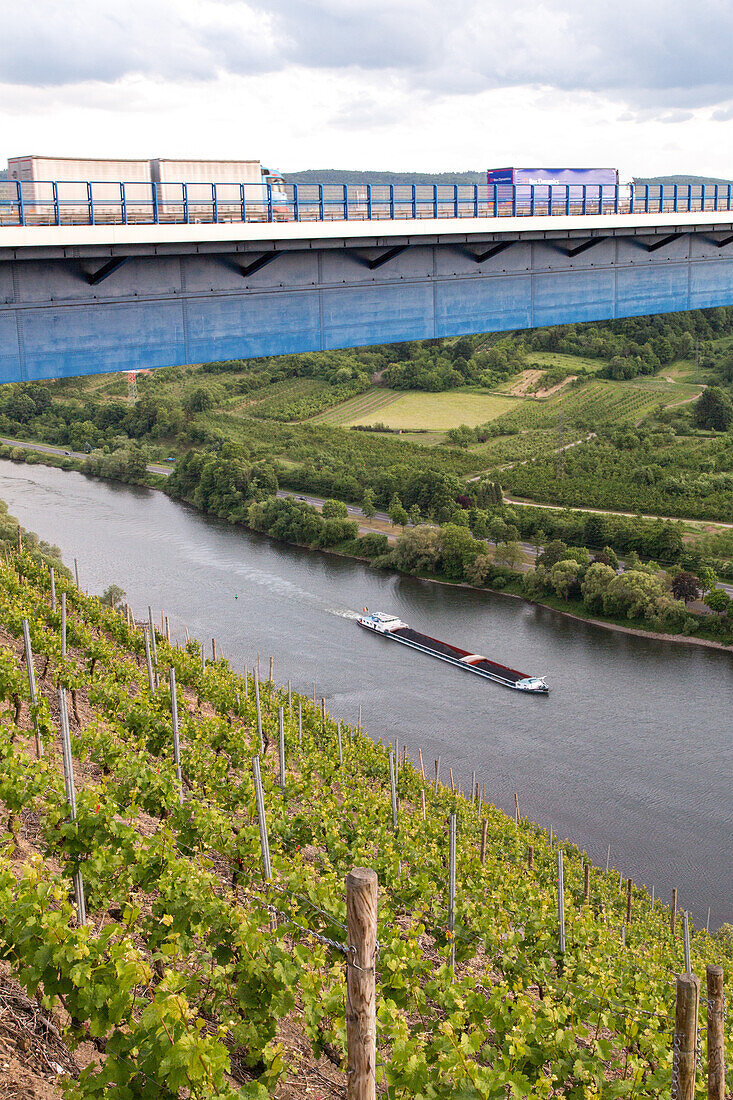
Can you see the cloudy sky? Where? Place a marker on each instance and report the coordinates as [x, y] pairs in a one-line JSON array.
[[428, 85]]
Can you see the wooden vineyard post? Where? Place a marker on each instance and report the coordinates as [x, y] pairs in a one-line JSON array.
[[76, 573], [628, 900], [167, 630], [31, 682], [53, 588], [422, 800], [560, 909], [686, 941], [323, 715], [473, 787], [484, 830], [716, 1033], [281, 745], [176, 740], [340, 745], [437, 773], [673, 914], [20, 540], [272, 668], [361, 999], [213, 649], [81, 911], [516, 810], [586, 882], [422, 766], [530, 857], [685, 1037]]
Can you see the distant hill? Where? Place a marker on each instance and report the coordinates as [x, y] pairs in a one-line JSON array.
[[336, 175], [350, 176], [681, 181]]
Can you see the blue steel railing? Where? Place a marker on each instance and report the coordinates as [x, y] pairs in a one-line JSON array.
[[105, 203]]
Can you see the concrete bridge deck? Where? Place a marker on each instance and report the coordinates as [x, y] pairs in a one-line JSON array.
[[86, 299]]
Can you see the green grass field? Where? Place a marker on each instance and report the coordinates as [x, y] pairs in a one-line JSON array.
[[436, 412]]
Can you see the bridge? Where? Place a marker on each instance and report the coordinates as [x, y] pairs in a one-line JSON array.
[[124, 283]]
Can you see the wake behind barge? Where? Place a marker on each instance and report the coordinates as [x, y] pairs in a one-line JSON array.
[[389, 626]]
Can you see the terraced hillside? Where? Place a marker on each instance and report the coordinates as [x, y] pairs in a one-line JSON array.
[[195, 973]]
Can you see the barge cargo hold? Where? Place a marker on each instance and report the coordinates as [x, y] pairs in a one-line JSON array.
[[389, 626]]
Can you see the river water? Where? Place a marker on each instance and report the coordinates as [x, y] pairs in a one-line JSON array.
[[631, 749]]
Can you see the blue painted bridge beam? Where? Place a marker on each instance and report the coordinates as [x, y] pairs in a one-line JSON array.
[[77, 300]]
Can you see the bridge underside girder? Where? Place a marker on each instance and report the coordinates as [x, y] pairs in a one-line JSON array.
[[69, 311]]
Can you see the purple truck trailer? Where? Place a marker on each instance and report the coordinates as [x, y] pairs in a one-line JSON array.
[[572, 190]]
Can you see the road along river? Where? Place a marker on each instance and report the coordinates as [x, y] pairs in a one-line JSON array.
[[632, 748]]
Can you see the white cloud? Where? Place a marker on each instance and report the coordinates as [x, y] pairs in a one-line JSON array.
[[411, 84]]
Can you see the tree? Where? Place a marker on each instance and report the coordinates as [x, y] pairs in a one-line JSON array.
[[334, 509], [632, 594], [708, 579], [564, 578], [607, 556], [418, 550], [199, 400], [509, 554], [685, 586], [594, 529], [478, 570], [367, 503], [137, 464], [459, 549], [595, 585], [718, 600], [396, 512], [713, 409], [554, 552], [113, 596], [414, 514]]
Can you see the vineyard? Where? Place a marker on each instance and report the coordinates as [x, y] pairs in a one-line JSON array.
[[359, 408], [596, 403], [172, 890], [509, 449]]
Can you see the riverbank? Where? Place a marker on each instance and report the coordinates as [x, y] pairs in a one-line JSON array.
[[155, 480]]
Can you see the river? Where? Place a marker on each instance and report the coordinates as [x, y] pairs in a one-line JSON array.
[[631, 749]]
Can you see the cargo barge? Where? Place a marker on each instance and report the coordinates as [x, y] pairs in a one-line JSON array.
[[389, 626]]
